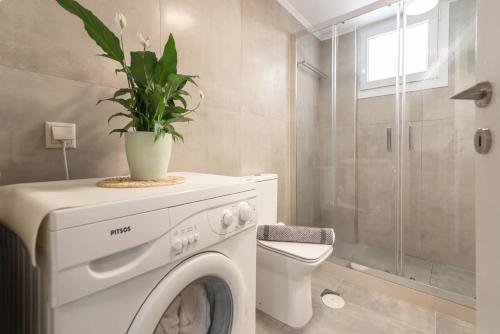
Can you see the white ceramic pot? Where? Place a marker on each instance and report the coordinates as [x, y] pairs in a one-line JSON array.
[[148, 159]]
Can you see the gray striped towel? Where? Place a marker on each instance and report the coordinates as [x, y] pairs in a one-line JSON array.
[[285, 233]]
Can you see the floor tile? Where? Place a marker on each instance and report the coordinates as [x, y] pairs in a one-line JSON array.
[[366, 311], [454, 279], [392, 308], [443, 276], [266, 324], [448, 325]]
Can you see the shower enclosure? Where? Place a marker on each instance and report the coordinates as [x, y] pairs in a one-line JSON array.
[[383, 155]]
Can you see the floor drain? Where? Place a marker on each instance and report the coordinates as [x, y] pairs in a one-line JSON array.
[[332, 299]]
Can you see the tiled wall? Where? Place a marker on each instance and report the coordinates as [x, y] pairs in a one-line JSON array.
[[439, 172], [307, 124], [241, 49]]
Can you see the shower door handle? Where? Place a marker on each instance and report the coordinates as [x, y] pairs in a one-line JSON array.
[[410, 138], [389, 139]]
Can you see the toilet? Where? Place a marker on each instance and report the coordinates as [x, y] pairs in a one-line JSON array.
[[284, 268]]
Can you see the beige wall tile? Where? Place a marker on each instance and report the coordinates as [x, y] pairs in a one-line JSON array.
[[266, 58], [211, 143], [208, 36], [23, 156], [40, 36], [264, 148]]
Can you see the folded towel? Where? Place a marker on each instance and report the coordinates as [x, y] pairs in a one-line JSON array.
[[312, 235]]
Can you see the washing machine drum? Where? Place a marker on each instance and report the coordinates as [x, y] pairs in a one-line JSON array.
[[203, 295], [204, 306]]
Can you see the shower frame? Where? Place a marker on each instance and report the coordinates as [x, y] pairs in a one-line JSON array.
[[400, 97]]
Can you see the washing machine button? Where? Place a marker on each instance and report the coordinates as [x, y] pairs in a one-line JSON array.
[[177, 245]]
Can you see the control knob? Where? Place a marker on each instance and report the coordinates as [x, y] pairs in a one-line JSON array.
[[227, 218], [245, 212]]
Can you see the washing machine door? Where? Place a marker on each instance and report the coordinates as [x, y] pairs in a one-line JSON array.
[[204, 294]]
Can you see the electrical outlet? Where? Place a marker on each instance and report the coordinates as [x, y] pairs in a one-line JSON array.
[[50, 142]]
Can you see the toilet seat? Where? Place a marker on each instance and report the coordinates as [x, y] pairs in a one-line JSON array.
[[304, 252]]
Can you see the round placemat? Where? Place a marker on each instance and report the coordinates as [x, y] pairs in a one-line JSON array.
[[127, 182]]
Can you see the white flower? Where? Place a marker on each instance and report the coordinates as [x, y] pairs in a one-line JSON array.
[[145, 41], [121, 21]]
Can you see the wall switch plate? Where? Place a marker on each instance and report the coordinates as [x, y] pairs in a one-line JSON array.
[[50, 142]]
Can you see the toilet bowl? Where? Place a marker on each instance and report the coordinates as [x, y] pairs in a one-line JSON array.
[[284, 268]]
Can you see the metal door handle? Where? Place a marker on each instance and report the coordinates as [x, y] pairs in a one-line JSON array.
[[481, 93], [389, 140]]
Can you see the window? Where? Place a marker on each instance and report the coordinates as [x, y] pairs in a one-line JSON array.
[[425, 54]]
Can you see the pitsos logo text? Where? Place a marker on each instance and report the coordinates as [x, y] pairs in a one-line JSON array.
[[120, 230]]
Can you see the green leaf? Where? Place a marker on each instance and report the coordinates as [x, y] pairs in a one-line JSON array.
[[121, 92], [178, 119], [167, 64], [142, 66], [104, 37], [127, 103], [119, 114], [177, 110], [182, 100], [120, 131], [124, 129], [160, 110]]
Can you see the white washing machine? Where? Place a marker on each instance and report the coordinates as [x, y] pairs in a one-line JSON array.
[[116, 267]]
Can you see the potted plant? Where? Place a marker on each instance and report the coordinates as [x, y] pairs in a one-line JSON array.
[[154, 99]]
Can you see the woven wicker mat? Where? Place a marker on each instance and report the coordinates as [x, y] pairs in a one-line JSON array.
[[127, 182]]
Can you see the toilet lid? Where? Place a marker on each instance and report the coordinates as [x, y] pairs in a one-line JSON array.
[[302, 251]]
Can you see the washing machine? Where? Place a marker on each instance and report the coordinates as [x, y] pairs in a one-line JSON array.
[[117, 267]]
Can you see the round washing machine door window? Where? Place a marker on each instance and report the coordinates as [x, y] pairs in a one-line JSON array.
[[202, 295]]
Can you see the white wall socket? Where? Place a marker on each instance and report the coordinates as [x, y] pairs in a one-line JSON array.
[[50, 142]]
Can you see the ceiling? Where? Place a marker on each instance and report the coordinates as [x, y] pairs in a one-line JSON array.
[[312, 12]]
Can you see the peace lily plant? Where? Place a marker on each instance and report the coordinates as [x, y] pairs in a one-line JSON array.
[[154, 99]]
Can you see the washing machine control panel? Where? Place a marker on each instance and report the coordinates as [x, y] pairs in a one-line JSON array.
[[210, 223], [185, 237], [232, 218]]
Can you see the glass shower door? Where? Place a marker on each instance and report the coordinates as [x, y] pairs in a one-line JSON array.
[[366, 140], [384, 156], [437, 162]]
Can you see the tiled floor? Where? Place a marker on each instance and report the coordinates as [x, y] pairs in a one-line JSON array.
[[443, 276], [365, 312]]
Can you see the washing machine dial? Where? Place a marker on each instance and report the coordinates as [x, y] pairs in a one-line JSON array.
[[227, 218], [245, 212], [177, 245]]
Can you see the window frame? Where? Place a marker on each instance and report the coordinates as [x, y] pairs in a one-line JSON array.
[[438, 39]]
